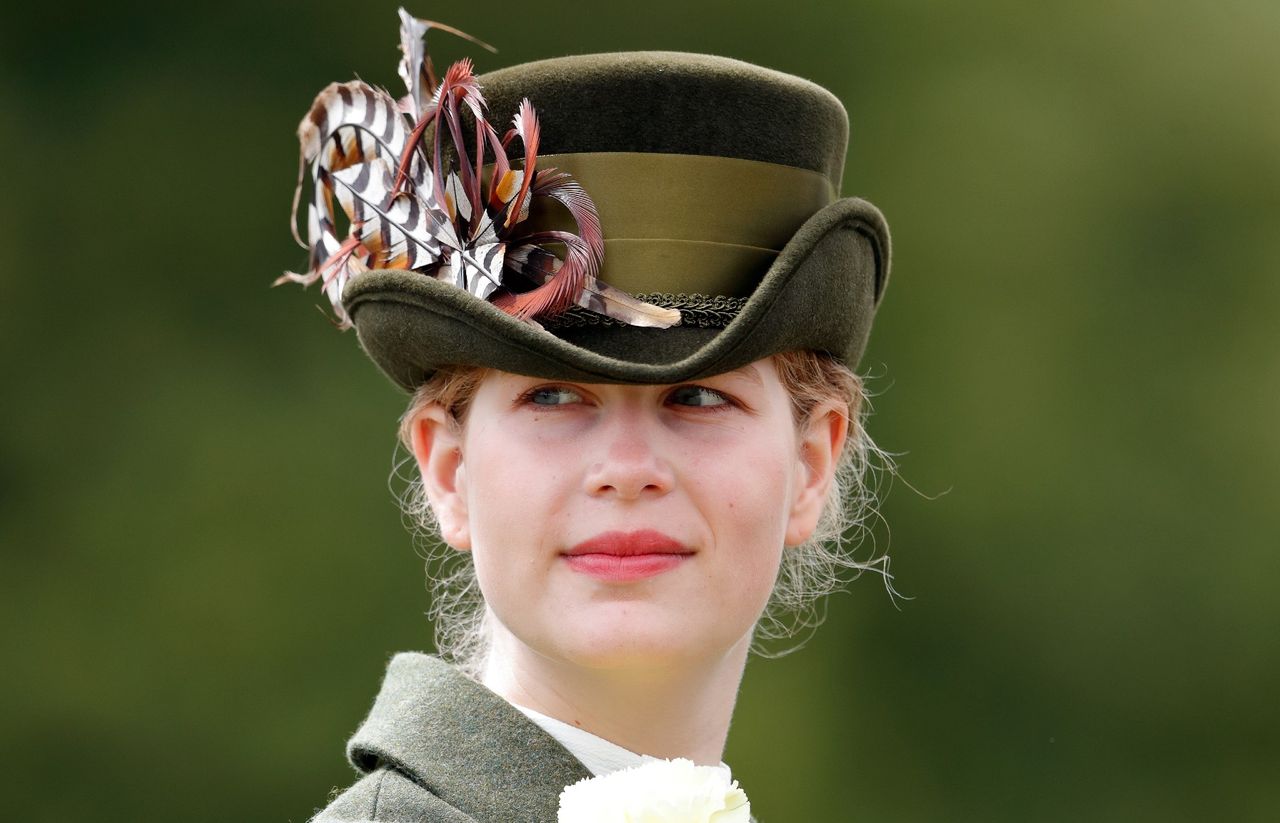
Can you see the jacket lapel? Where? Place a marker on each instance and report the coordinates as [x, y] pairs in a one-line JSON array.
[[463, 743]]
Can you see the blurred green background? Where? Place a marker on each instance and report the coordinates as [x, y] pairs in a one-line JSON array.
[[204, 569]]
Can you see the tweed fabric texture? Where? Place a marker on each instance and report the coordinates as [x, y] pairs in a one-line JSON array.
[[437, 746]]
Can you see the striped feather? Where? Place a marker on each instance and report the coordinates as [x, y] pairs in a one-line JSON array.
[[414, 68], [364, 191], [341, 111], [415, 64], [482, 268], [410, 207]]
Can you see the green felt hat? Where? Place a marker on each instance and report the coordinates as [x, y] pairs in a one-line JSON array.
[[717, 184]]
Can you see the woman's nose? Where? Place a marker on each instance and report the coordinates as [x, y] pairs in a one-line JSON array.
[[628, 462]]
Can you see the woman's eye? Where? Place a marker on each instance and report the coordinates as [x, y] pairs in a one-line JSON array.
[[552, 396], [697, 396]]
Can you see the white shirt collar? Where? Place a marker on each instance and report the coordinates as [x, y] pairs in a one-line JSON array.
[[600, 756]]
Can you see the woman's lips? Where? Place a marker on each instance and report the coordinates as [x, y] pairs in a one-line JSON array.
[[622, 556]]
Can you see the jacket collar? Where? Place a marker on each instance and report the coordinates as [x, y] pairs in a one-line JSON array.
[[463, 743]]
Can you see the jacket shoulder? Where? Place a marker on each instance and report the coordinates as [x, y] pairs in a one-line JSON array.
[[387, 796]]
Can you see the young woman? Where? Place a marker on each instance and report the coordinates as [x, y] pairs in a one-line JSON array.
[[634, 413]]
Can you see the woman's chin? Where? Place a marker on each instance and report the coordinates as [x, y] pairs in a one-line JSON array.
[[640, 645], [629, 656]]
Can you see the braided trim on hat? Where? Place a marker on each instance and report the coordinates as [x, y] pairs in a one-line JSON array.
[[703, 310]]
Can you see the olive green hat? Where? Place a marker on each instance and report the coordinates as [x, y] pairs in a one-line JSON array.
[[717, 187]]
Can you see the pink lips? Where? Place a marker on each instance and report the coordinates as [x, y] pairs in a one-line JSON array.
[[623, 556]]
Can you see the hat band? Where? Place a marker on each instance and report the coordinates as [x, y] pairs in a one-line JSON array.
[[691, 224], [702, 310], [684, 266]]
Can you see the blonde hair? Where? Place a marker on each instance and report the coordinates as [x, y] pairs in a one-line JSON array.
[[808, 572]]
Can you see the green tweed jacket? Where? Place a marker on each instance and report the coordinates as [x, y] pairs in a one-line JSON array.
[[438, 747]]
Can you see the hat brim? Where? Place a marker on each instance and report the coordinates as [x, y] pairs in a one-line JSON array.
[[820, 293]]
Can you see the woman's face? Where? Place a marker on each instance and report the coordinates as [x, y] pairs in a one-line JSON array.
[[616, 524]]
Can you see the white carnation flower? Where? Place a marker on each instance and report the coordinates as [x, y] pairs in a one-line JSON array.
[[659, 791]]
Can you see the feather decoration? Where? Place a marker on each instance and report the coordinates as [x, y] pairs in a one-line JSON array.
[[350, 128], [540, 266], [526, 127], [585, 252], [415, 64], [391, 228], [350, 124], [414, 201]]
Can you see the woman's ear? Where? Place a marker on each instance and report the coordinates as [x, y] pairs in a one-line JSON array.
[[821, 444], [437, 446]]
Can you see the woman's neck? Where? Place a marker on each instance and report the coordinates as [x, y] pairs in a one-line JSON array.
[[672, 711]]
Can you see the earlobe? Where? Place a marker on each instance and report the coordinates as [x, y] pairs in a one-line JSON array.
[[437, 447], [821, 444]]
